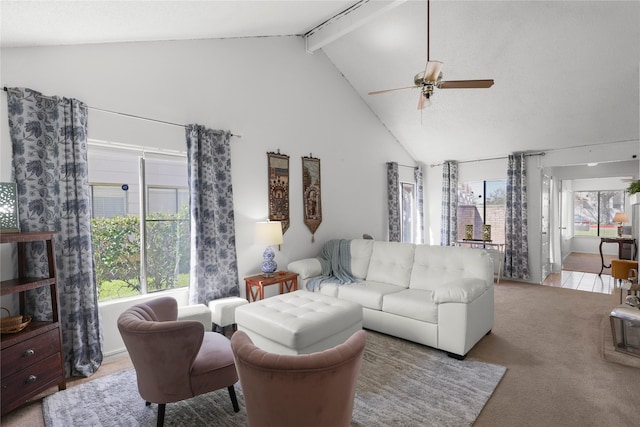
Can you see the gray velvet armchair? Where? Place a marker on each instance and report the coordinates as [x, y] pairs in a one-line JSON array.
[[175, 360], [304, 390]]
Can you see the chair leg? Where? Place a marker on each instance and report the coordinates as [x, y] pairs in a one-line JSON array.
[[161, 407], [234, 400]]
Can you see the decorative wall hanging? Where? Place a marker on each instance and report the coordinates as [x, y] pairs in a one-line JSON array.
[[279, 188], [311, 194]]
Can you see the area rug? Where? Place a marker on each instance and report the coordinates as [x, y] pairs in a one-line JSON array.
[[400, 384]]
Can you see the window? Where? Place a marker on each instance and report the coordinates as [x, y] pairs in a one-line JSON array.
[[108, 201], [120, 250], [167, 238], [593, 212], [482, 202], [166, 200], [408, 202]]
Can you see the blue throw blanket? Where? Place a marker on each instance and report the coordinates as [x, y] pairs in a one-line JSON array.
[[335, 260]]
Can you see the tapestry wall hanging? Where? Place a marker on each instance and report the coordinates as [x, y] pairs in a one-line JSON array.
[[311, 194], [279, 188]]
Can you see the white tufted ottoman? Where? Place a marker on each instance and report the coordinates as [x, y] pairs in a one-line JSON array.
[[223, 311], [299, 322], [199, 312]]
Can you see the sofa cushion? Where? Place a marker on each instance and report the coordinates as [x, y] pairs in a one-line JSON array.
[[412, 303], [462, 290], [330, 289], [391, 262], [437, 266], [360, 257], [367, 294], [306, 268]]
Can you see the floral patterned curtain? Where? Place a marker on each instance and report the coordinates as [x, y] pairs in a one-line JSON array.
[[214, 268], [449, 213], [393, 201], [49, 140], [418, 174], [516, 263]]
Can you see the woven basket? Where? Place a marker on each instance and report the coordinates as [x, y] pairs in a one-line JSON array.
[[12, 324]]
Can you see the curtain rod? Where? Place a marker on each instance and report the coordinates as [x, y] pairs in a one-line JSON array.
[[134, 116], [542, 153]]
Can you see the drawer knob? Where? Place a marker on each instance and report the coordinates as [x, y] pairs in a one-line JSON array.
[[28, 353], [30, 379]]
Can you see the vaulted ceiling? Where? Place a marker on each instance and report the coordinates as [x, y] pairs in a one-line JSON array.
[[566, 72]]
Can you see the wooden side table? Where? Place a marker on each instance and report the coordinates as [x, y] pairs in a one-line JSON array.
[[620, 241], [255, 285]]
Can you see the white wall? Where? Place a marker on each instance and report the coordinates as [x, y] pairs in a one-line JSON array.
[[268, 90]]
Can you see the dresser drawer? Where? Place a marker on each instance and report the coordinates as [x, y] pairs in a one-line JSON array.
[[19, 356], [19, 387]]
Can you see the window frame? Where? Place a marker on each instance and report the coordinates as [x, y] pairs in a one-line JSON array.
[[599, 224], [135, 206]]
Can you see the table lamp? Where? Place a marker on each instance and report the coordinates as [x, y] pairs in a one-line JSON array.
[[620, 218], [268, 233]]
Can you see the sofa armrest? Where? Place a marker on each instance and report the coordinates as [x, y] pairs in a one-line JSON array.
[[306, 268], [462, 291]]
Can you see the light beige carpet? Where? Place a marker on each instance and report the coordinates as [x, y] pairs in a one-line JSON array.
[[551, 341]]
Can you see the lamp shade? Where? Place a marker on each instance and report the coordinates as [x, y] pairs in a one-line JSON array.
[[268, 232], [620, 217]]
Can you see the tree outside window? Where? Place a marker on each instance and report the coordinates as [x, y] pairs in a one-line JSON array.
[[593, 212]]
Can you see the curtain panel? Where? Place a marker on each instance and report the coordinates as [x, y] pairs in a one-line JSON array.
[[214, 267], [449, 211], [49, 142], [516, 263], [393, 201]]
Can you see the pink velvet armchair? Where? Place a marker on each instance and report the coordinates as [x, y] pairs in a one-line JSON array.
[[175, 360], [305, 390]]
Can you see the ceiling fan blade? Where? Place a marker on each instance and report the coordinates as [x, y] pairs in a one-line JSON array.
[[465, 84], [422, 102], [432, 71], [377, 92]]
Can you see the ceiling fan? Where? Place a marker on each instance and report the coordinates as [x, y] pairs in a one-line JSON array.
[[431, 78]]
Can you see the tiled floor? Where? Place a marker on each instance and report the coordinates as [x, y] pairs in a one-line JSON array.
[[604, 284]]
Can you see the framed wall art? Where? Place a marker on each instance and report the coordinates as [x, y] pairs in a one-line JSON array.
[[278, 165], [311, 194]]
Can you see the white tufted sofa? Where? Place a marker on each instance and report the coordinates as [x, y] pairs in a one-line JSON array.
[[440, 296]]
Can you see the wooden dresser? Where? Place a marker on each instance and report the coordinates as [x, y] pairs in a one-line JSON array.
[[32, 359]]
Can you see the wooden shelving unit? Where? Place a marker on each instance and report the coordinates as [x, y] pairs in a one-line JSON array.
[[32, 359]]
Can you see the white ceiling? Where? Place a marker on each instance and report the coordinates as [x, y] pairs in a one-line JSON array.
[[566, 72]]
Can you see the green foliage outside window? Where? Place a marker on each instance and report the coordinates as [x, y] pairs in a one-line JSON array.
[[116, 246]]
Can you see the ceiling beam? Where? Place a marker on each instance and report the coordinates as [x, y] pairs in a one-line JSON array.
[[346, 21]]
